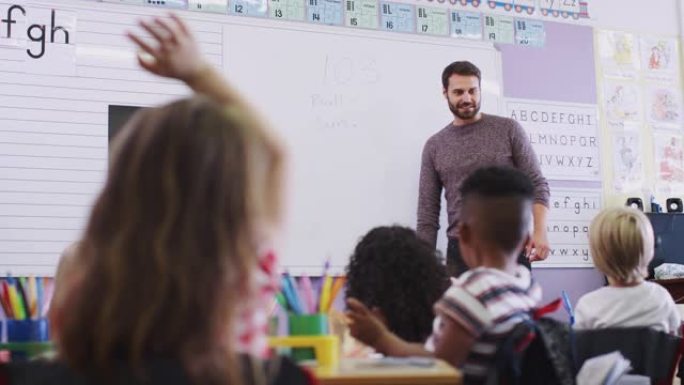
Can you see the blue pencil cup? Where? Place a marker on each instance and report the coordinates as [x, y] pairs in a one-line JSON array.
[[26, 338], [27, 330]]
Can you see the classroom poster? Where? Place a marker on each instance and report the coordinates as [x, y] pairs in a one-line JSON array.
[[55, 55], [467, 25], [622, 100], [663, 105], [570, 213], [669, 162], [397, 17], [361, 14], [432, 21], [529, 33], [618, 54], [564, 137], [286, 9], [659, 58], [325, 12], [215, 6], [628, 164], [15, 37], [499, 29], [257, 8]]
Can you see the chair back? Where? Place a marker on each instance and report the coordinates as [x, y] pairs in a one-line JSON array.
[[652, 353]]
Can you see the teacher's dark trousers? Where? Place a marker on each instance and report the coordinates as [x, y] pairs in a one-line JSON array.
[[456, 266]]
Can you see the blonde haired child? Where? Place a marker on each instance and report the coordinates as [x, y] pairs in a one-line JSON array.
[[621, 242]]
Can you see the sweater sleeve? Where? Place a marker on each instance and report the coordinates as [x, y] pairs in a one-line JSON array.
[[525, 159], [429, 195]]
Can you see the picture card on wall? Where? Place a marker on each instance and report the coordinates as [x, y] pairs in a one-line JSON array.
[[467, 25], [397, 17], [325, 12], [659, 58], [361, 14], [618, 54], [432, 21], [214, 6], [499, 29], [622, 100]]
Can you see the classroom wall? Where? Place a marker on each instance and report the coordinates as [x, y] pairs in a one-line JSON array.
[[661, 17]]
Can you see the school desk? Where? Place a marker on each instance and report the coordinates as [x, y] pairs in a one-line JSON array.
[[365, 372]]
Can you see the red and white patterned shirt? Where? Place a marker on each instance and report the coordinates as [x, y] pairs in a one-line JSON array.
[[488, 303], [252, 325]]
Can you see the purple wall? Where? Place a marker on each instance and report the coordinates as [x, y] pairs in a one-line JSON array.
[[562, 71]]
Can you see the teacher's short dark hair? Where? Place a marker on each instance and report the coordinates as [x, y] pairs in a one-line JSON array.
[[463, 68]]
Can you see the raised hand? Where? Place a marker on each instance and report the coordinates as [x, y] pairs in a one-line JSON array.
[[174, 53]]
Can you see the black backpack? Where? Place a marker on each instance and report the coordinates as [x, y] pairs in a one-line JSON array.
[[537, 352]]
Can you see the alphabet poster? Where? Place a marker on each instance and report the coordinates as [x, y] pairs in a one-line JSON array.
[[570, 213], [564, 137], [44, 38]]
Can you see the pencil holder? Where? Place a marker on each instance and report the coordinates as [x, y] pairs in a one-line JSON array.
[[30, 330], [26, 338], [307, 325]]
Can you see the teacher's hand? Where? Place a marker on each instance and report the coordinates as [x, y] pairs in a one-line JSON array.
[[537, 248]]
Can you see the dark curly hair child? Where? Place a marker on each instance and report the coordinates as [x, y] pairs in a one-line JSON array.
[[399, 277]]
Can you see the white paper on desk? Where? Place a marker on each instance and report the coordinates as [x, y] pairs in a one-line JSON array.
[[605, 369], [422, 362]]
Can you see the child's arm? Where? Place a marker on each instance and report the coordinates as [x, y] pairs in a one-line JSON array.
[[367, 328], [176, 54], [452, 342]]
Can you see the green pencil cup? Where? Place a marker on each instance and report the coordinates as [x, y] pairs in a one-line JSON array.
[[307, 325]]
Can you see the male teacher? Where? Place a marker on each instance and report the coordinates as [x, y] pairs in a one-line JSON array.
[[474, 140]]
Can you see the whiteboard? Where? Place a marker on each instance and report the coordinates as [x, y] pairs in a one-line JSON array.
[[355, 110], [354, 107]]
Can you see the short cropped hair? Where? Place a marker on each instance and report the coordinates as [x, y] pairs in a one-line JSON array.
[[621, 242], [501, 199], [463, 68]]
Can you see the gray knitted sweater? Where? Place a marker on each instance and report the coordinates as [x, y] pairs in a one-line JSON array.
[[453, 153]]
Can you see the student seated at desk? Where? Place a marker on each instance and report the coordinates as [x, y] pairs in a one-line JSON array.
[[486, 302], [621, 242], [170, 251], [399, 277]]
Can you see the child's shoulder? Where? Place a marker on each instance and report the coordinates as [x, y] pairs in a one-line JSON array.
[[644, 290], [489, 282]]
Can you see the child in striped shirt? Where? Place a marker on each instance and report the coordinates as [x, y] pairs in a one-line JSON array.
[[485, 303]]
